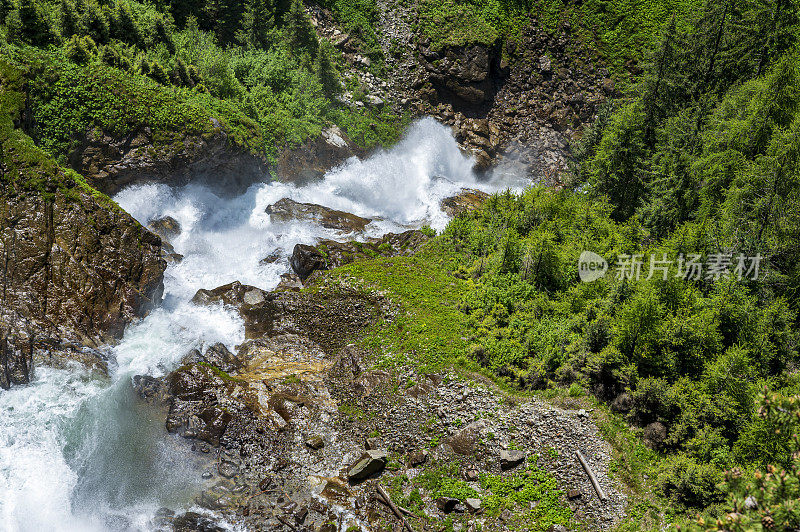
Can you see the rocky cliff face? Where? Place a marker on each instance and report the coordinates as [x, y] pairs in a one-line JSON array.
[[74, 265], [110, 163]]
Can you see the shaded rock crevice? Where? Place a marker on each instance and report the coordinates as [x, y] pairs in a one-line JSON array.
[[110, 163]]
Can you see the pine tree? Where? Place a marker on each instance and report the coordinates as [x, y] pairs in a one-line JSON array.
[[144, 66], [80, 49], [158, 73], [5, 9], [95, 21], [658, 85], [69, 19], [183, 9], [258, 24], [33, 27], [110, 56], [300, 32], [180, 75], [326, 72], [228, 19], [164, 35], [124, 26]]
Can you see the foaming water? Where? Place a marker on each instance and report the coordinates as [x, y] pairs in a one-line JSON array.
[[78, 451]]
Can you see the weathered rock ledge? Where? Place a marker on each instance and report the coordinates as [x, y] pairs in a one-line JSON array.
[[111, 163]]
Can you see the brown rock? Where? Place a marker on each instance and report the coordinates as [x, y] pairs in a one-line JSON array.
[[306, 259], [418, 458], [82, 268], [285, 210], [316, 156], [165, 227], [467, 200], [110, 163]]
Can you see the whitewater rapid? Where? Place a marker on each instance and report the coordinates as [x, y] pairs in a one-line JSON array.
[[78, 452]]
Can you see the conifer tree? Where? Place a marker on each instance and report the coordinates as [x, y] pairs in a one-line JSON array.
[[180, 75], [158, 73], [258, 24], [326, 72], [164, 35], [80, 49], [125, 27], [31, 25], [5, 8], [95, 21], [69, 19], [299, 31]]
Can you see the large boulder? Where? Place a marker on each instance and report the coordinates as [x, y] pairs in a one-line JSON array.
[[316, 156], [286, 210], [464, 75], [307, 259], [467, 200], [166, 227], [370, 463], [82, 268], [330, 254]]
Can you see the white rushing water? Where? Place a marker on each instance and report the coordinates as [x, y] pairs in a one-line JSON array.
[[78, 452]]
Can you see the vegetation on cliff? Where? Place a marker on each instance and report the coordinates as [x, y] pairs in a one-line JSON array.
[[699, 158], [259, 71]]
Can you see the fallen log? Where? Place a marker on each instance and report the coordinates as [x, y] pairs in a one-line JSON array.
[[394, 508], [596, 485]]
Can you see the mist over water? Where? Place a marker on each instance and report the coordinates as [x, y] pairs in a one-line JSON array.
[[79, 452]]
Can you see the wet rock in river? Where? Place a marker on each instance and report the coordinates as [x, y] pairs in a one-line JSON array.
[[467, 200], [287, 210], [290, 282], [316, 156], [220, 357], [165, 227], [272, 258], [306, 259]]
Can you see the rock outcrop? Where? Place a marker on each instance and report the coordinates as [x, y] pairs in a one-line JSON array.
[[467, 200], [330, 254], [465, 76], [111, 163], [75, 265], [287, 210], [317, 155]]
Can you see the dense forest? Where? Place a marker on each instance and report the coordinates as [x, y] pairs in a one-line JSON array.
[[698, 159]]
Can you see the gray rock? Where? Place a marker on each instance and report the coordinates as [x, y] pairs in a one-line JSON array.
[[418, 458], [371, 462], [228, 469], [306, 259], [511, 459], [165, 227], [253, 297], [473, 505]]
